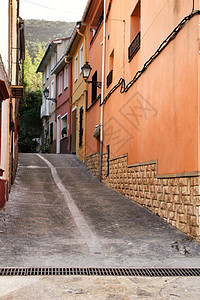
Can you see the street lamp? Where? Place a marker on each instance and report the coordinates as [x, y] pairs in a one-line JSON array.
[[86, 69], [46, 95]]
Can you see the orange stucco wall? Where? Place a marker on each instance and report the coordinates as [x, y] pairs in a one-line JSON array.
[[158, 118]]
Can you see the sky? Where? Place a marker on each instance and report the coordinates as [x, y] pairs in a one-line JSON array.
[[53, 10]]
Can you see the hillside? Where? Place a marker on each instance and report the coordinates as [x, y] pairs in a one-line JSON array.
[[43, 32]]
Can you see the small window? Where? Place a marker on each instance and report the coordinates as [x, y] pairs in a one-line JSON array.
[[94, 87], [76, 68], [52, 91], [60, 83], [81, 126], [110, 75], [51, 133], [44, 77], [135, 22], [66, 77], [81, 57], [52, 61], [134, 32], [47, 71], [47, 104]]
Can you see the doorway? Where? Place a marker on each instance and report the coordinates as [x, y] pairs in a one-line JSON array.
[[74, 115], [58, 135]]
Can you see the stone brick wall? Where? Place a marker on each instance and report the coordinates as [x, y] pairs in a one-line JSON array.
[[92, 162], [176, 200]]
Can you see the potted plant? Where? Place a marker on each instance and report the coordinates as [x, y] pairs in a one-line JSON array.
[[64, 132]]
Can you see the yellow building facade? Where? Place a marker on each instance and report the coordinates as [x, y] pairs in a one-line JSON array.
[[76, 52]]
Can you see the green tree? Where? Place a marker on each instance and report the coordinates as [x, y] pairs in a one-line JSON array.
[[29, 108], [29, 121], [33, 80]]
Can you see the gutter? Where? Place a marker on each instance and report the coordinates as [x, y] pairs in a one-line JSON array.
[[87, 8]]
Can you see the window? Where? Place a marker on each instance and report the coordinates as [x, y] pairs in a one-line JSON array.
[[64, 126], [96, 24], [81, 126], [51, 133], [81, 57], [44, 77], [66, 77], [46, 105], [94, 87], [52, 61], [47, 71], [60, 81], [110, 75], [135, 22], [134, 32], [52, 90], [76, 68]]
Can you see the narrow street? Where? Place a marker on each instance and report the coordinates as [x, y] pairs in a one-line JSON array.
[[59, 215]]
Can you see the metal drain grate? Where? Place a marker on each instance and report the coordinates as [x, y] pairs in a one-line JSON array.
[[148, 272]]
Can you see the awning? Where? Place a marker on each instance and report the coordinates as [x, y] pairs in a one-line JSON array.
[[3, 91]]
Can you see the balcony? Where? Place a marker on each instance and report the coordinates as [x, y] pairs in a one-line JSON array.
[[44, 109], [134, 47]]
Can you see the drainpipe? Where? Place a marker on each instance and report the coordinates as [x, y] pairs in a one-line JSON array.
[[85, 98], [55, 91], [9, 42], [102, 91], [11, 36]]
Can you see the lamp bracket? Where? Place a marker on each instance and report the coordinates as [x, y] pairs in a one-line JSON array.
[[96, 83]]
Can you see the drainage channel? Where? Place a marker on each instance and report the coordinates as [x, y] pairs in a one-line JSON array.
[[146, 272]]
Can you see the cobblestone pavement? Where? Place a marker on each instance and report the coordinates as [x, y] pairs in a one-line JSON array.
[[59, 215]]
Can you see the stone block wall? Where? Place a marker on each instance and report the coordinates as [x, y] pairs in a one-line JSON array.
[[176, 199], [92, 162]]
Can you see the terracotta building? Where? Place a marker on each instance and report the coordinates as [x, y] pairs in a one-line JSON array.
[[93, 17], [151, 105]]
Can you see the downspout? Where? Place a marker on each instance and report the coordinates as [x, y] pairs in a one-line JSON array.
[[9, 79], [85, 99], [102, 92], [11, 32], [18, 46], [198, 86], [55, 96], [9, 39], [55, 91]]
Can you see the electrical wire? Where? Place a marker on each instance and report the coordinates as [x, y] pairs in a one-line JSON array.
[[121, 83], [51, 8]]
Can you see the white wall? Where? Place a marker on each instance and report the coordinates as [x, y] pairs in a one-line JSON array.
[[4, 136], [4, 32]]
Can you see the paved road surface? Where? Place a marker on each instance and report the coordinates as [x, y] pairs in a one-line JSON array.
[[59, 215]]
